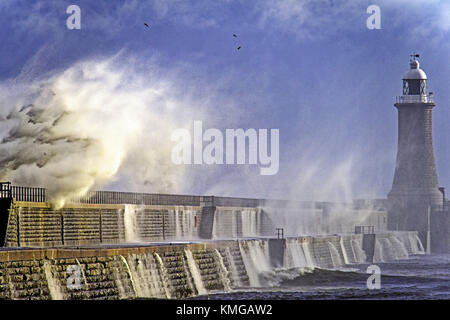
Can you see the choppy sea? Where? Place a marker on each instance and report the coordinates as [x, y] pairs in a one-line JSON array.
[[419, 277]]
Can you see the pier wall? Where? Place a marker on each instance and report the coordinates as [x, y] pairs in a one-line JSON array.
[[103, 217], [38, 224], [174, 271]]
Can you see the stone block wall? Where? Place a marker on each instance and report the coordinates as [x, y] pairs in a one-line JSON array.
[[161, 223], [23, 280], [125, 273], [170, 271], [38, 225], [237, 222], [32, 224], [233, 262], [327, 251]]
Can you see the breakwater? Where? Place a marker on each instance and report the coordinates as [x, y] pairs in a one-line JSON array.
[[181, 270], [39, 224]]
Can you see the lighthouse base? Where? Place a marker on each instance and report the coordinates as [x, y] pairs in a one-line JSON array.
[[425, 213]]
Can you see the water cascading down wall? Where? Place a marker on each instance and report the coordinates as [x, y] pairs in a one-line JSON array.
[[38, 224], [184, 270], [78, 253], [103, 217]]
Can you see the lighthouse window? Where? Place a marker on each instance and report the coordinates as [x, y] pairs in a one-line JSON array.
[[405, 87], [423, 87]]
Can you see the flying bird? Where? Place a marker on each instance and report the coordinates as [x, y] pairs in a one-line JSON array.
[[146, 25], [239, 48], [234, 35]]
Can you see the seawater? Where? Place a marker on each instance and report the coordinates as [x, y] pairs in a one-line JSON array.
[[418, 277]]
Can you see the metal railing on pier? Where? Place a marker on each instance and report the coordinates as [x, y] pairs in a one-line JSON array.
[[116, 197], [30, 194]]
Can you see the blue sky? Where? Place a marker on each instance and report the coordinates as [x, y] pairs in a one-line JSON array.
[[308, 68]]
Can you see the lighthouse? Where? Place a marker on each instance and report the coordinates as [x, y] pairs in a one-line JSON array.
[[415, 192]]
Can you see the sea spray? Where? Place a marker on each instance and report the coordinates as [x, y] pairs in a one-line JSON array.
[[308, 256], [54, 286], [130, 217], [145, 274], [360, 255], [53, 137], [355, 257], [390, 249], [408, 242], [224, 273], [344, 252], [195, 272], [335, 256], [378, 254], [82, 273], [129, 274], [402, 252], [178, 231], [250, 225], [255, 254], [185, 227], [232, 223], [421, 248], [294, 255], [122, 286], [148, 267], [190, 219], [233, 269], [385, 250], [140, 281], [164, 276]]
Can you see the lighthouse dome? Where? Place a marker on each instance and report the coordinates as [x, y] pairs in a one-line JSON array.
[[415, 73]]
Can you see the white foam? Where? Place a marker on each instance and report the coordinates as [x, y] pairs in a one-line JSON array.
[[195, 272], [255, 254]]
